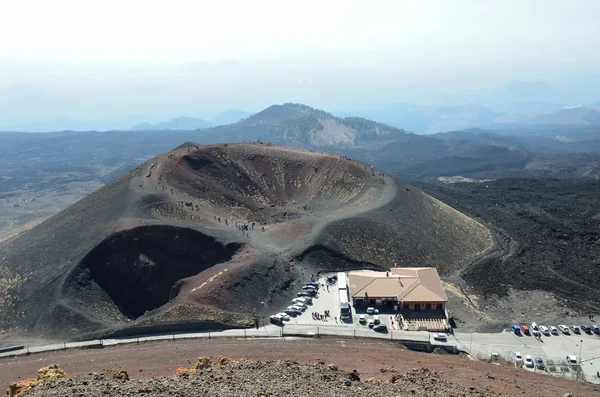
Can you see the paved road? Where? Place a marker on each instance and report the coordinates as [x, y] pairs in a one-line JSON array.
[[481, 344]]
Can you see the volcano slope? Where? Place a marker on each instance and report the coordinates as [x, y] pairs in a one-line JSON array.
[[164, 246]]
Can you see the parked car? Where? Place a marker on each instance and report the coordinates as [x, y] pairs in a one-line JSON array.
[[525, 329], [380, 328], [587, 329], [571, 360], [576, 329], [539, 363], [313, 283], [516, 329], [305, 300], [300, 306], [284, 316], [564, 329], [440, 336], [595, 329], [294, 307], [376, 320], [275, 319], [370, 310], [535, 330], [544, 330], [304, 293], [518, 357], [292, 311], [309, 288], [528, 361], [553, 330], [370, 323], [362, 319]]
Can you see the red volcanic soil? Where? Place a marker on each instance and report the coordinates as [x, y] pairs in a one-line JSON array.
[[376, 359]]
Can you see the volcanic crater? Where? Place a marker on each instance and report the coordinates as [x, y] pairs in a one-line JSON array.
[[214, 235]]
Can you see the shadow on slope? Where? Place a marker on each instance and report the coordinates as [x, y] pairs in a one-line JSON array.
[[140, 268]]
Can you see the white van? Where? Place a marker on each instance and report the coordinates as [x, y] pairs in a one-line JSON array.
[[572, 360], [535, 330]]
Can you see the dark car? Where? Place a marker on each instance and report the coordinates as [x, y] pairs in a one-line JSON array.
[[587, 329], [313, 283], [304, 293], [380, 328], [292, 312], [539, 363]]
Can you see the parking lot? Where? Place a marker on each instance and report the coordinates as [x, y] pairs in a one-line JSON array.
[[556, 347], [328, 299], [481, 345]]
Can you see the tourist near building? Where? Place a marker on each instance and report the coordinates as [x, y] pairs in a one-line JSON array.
[[408, 290]]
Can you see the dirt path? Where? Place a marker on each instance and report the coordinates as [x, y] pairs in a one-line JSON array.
[[370, 358]]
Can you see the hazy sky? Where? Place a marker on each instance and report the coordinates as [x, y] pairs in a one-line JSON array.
[[113, 59]]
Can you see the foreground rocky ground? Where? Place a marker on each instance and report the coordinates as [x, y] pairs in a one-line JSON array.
[[151, 366], [240, 377]]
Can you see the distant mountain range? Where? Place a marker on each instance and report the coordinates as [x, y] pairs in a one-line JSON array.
[[302, 125], [430, 119], [192, 123], [322, 128], [568, 115], [177, 124], [299, 124], [434, 119]]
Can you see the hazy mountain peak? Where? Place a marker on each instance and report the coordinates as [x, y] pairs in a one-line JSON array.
[[179, 123], [229, 117]]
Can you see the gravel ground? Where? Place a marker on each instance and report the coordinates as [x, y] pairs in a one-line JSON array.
[[260, 378], [372, 359]]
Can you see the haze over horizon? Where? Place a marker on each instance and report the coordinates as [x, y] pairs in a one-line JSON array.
[[124, 63]]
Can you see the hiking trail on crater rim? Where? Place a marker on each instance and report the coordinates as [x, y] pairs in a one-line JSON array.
[[202, 235]]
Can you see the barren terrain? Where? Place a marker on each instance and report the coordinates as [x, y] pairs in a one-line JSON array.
[[371, 359], [546, 267], [216, 236]]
